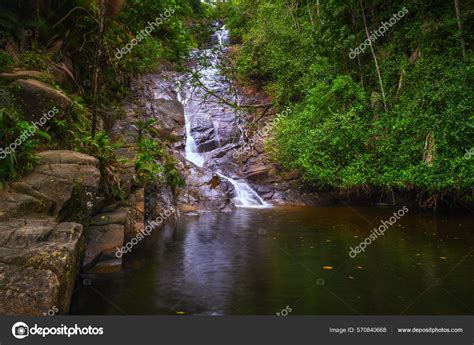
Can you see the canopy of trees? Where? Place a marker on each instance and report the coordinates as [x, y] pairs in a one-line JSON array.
[[397, 114]]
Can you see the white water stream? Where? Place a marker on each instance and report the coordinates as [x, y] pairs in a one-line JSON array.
[[245, 196]]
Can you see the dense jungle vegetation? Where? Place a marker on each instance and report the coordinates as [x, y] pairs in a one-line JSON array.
[[79, 40], [396, 116]]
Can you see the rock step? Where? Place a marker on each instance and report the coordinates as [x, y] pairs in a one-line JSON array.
[[39, 254]]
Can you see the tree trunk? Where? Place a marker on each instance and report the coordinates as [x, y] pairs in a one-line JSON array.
[[358, 57], [293, 17], [461, 37], [310, 14], [97, 58], [38, 16], [374, 56]]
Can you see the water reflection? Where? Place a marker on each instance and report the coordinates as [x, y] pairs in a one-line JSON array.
[[260, 261]]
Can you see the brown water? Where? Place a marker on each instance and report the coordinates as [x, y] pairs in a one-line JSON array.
[[273, 260]]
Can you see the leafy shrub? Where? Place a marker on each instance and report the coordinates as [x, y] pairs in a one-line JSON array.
[[5, 61], [12, 126], [147, 164]]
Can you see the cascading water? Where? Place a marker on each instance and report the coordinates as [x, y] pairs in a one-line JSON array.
[[191, 151], [192, 101], [223, 36], [245, 196]]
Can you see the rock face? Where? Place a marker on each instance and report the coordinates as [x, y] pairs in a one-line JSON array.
[[103, 242], [40, 97], [204, 191], [108, 232], [39, 254], [205, 137], [169, 112], [51, 188], [39, 262], [160, 104], [231, 145]]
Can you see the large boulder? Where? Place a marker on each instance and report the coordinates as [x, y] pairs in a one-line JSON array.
[[107, 232], [205, 138], [14, 204], [52, 185], [39, 254], [23, 74], [204, 190], [39, 262], [256, 172], [38, 98], [66, 157]]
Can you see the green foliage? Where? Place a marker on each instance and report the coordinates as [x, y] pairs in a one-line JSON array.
[[168, 41], [147, 164], [332, 133], [12, 126], [152, 161], [340, 135], [5, 61], [64, 37], [104, 150], [98, 146], [173, 177], [34, 60]]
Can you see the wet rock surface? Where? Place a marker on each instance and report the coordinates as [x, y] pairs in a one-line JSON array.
[[205, 191], [40, 254], [217, 133]]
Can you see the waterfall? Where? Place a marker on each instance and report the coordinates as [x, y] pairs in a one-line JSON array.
[[245, 196], [192, 153]]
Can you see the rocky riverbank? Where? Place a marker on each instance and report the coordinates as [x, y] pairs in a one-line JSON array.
[[57, 222]]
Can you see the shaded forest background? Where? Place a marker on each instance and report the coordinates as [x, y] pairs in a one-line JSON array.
[[399, 116]]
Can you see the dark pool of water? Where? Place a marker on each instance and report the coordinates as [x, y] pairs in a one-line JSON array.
[[274, 260]]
